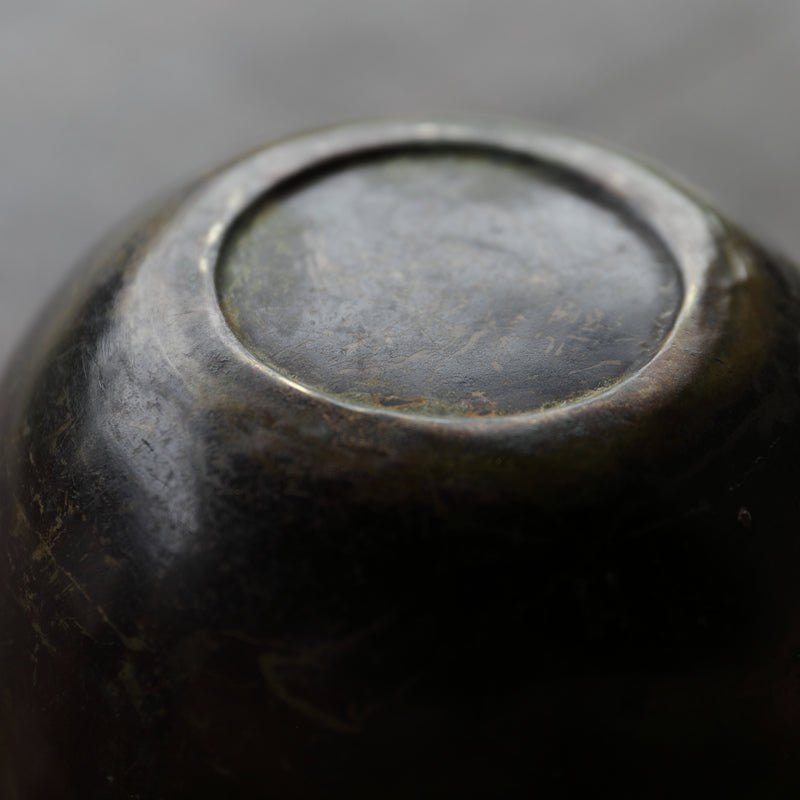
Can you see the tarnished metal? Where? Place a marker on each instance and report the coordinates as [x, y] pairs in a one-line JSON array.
[[448, 283], [407, 460]]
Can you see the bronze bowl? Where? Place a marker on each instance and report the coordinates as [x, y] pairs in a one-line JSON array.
[[407, 460]]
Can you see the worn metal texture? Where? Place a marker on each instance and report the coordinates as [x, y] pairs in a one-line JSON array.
[[448, 282], [247, 555]]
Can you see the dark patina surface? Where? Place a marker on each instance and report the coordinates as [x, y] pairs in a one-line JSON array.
[[448, 283], [274, 524]]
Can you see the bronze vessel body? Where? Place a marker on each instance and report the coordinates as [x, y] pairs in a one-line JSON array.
[[407, 460]]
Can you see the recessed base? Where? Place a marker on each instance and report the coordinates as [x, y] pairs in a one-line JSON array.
[[446, 282]]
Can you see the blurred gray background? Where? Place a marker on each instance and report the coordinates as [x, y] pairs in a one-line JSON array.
[[104, 105]]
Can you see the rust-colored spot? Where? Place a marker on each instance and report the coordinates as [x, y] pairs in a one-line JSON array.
[[393, 401]]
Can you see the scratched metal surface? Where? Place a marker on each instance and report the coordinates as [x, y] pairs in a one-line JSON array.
[[103, 106], [345, 282]]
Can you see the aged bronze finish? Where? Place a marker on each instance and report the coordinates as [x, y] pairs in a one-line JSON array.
[[407, 460]]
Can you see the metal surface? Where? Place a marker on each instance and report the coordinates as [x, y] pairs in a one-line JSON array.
[[232, 570], [349, 282]]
